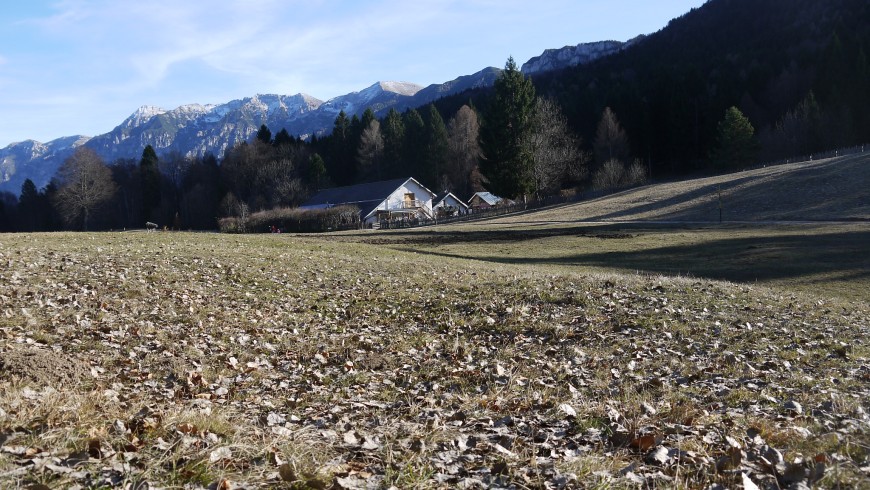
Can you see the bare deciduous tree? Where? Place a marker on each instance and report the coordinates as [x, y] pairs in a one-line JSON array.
[[610, 175], [464, 150], [614, 174], [636, 174], [611, 142], [554, 148], [371, 149], [85, 185]]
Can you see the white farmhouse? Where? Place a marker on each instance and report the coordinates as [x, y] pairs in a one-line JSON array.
[[447, 205], [379, 201]]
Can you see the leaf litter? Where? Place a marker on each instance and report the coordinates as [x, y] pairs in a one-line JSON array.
[[212, 361]]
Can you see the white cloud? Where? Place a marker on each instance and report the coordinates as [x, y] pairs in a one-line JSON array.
[[111, 56]]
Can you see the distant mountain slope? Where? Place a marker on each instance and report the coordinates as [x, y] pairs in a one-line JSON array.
[[581, 54], [34, 160], [196, 129]]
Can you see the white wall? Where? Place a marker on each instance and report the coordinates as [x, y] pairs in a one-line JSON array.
[[395, 200]]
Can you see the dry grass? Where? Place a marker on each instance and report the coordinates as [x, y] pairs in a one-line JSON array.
[[824, 190], [196, 360], [829, 260]]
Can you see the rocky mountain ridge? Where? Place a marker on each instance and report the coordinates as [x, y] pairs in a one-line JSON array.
[[581, 54], [197, 129]]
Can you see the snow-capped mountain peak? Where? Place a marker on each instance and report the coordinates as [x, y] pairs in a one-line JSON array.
[[142, 115], [401, 88]]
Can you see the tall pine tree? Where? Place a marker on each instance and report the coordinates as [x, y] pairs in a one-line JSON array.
[[507, 161], [415, 143], [149, 175], [437, 150], [735, 141], [393, 131]]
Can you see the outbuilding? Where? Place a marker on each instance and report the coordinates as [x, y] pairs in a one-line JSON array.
[[485, 200], [447, 205]]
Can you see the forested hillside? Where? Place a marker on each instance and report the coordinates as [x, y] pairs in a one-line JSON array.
[[797, 69]]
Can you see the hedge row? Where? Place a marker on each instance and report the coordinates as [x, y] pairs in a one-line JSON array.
[[293, 220]]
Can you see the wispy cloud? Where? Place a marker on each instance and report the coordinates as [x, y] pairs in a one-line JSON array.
[[108, 57]]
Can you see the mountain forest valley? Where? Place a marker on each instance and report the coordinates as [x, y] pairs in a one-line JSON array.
[[679, 298]]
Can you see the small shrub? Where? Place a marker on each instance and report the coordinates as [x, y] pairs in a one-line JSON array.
[[609, 176], [636, 174], [614, 175], [294, 220]]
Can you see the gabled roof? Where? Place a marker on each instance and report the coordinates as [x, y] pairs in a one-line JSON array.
[[367, 196], [488, 197], [440, 197]]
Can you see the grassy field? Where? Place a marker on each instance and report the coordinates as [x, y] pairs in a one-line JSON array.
[[825, 190], [201, 360], [802, 227], [831, 260], [532, 351]]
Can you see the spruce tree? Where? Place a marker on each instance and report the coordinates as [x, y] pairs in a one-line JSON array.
[[264, 135], [343, 150], [283, 138], [29, 207], [393, 131], [437, 149], [735, 141], [414, 154], [507, 161], [149, 175]]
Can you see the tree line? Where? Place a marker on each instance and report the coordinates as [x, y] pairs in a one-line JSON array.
[[519, 145]]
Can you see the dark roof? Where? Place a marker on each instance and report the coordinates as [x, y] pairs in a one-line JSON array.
[[366, 196], [440, 197]]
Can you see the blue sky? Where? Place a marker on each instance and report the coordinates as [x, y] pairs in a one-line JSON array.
[[72, 67]]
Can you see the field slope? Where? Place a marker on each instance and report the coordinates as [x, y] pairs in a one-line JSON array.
[[801, 227], [834, 189], [198, 360]]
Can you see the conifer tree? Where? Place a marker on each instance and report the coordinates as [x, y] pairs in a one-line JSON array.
[[343, 151], [506, 160], [29, 207], [437, 149], [393, 131], [283, 138], [735, 142], [414, 154], [149, 175], [264, 135]]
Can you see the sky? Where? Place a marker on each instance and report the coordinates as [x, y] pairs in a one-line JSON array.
[[70, 67]]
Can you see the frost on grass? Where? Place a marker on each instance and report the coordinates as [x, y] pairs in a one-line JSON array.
[[217, 362]]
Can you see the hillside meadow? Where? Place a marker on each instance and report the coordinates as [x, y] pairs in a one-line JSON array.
[[377, 360]]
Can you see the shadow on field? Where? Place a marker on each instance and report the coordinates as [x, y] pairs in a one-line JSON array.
[[478, 235], [706, 207], [835, 190], [842, 256]]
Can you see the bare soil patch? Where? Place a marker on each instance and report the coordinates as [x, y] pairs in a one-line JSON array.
[[41, 366]]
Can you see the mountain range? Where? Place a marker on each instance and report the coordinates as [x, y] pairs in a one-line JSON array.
[[196, 129]]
